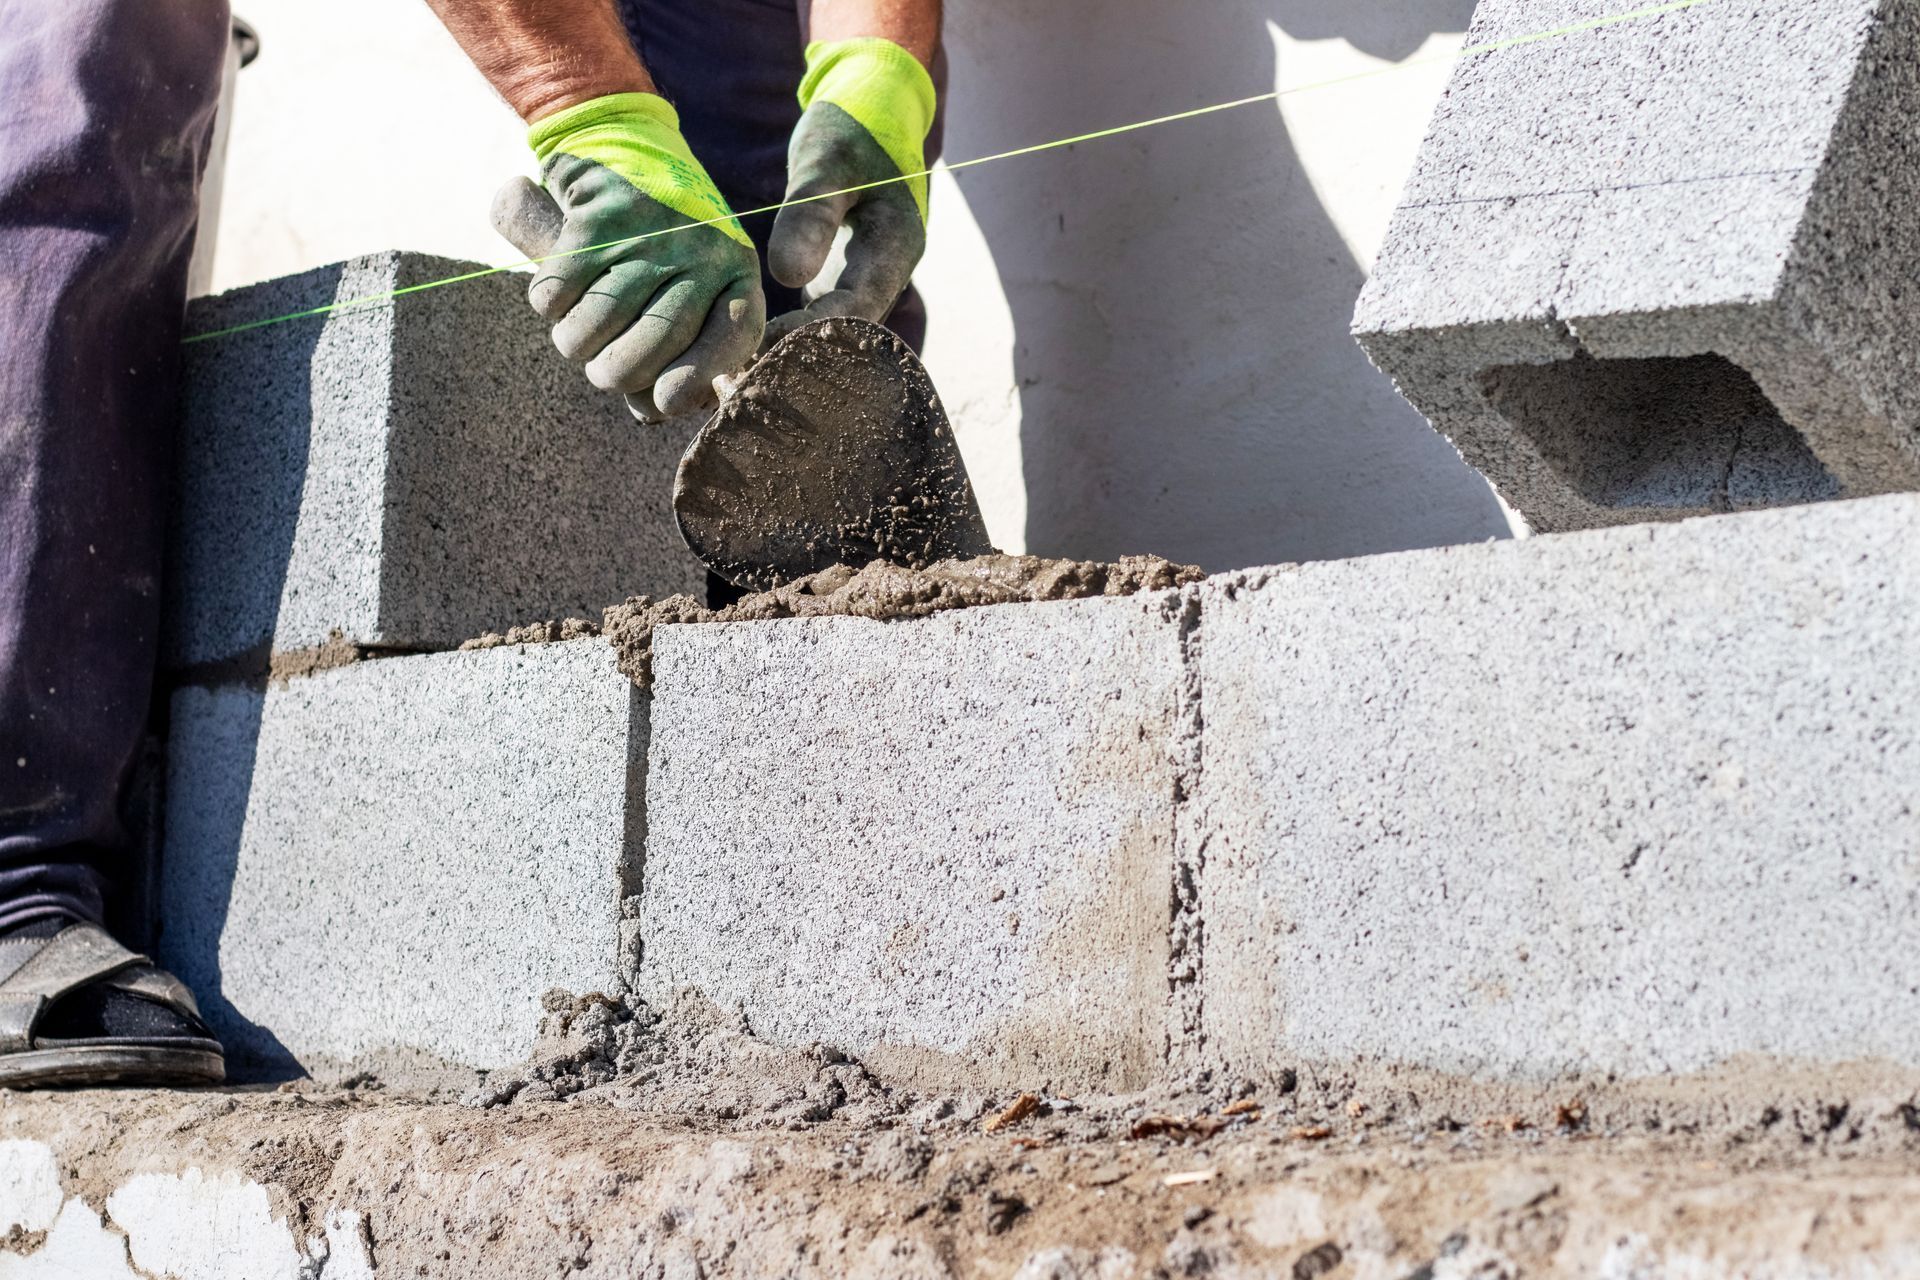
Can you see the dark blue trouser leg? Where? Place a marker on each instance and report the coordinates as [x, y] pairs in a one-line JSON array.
[[106, 107], [732, 68]]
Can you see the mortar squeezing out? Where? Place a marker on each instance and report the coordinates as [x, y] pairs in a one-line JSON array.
[[833, 449]]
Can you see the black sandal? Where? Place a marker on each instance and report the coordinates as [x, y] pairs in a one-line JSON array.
[[39, 972]]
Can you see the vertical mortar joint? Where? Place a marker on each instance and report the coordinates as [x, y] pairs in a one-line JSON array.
[[1186, 934]]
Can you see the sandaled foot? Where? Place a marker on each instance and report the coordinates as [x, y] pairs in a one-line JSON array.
[[77, 1008]]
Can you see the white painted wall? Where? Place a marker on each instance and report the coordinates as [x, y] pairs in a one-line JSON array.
[[1143, 340], [360, 127]]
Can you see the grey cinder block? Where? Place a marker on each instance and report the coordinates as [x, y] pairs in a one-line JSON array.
[[1629, 802], [411, 474], [943, 845], [402, 855], [1665, 268]]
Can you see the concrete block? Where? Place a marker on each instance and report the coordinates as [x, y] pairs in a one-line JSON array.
[[943, 845], [1661, 269], [1626, 803], [400, 856], [410, 474]]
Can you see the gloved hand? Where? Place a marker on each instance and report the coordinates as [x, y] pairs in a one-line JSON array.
[[658, 318], [868, 109]]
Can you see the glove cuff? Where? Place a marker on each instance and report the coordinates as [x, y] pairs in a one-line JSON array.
[[637, 136], [887, 92]]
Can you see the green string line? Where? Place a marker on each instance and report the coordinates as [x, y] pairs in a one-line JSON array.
[[374, 299]]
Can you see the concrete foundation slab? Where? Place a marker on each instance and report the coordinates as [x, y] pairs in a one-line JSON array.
[[409, 474], [131, 1185], [401, 856], [1625, 803], [943, 845], [1699, 213]]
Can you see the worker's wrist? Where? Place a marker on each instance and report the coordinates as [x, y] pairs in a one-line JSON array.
[[547, 97], [914, 25], [885, 89], [538, 87], [637, 136]]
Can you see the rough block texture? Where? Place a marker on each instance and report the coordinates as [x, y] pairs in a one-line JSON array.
[[1664, 268], [1634, 802], [943, 845], [410, 474], [402, 855]]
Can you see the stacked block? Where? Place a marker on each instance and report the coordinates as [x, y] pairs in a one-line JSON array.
[[398, 856], [409, 474], [1663, 268], [1627, 803]]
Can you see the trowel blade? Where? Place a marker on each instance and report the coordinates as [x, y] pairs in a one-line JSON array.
[[832, 450]]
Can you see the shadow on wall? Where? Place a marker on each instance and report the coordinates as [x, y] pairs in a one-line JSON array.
[[1392, 29], [1181, 299], [230, 445]]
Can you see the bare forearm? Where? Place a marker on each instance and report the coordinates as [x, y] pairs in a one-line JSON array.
[[914, 25], [545, 55]]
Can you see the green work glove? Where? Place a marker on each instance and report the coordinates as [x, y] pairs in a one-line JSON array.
[[868, 109], [657, 318]]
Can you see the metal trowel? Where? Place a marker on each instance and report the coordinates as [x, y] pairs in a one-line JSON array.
[[833, 449]]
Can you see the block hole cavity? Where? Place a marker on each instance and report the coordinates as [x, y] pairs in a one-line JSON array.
[[1686, 434]]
